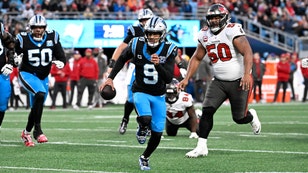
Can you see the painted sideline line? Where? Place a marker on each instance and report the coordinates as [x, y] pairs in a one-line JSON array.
[[55, 170]]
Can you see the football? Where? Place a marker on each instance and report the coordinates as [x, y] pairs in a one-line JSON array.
[[107, 93]]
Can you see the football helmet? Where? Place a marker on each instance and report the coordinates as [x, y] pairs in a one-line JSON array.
[[217, 10], [155, 25], [144, 14], [172, 93], [37, 21]]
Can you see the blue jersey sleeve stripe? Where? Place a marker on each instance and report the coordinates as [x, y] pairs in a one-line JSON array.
[[170, 50], [56, 37], [134, 45], [19, 37], [131, 28]]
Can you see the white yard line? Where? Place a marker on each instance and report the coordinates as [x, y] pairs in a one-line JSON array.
[[162, 147], [54, 170]]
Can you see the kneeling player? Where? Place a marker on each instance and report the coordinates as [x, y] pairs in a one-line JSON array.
[[180, 111]]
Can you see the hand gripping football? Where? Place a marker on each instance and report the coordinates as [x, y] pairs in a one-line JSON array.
[[107, 93]]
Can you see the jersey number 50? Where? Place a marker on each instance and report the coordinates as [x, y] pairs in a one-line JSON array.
[[37, 57], [223, 52]]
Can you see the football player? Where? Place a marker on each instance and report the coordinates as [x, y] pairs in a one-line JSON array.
[[227, 47], [154, 60], [304, 70], [7, 44], [180, 111], [133, 31], [40, 48]]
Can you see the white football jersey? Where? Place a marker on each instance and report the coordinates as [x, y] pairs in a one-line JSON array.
[[176, 112], [228, 63]]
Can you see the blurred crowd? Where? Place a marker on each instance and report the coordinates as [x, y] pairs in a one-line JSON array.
[[287, 15]]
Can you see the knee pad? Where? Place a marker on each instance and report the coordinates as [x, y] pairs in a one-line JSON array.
[[144, 121]]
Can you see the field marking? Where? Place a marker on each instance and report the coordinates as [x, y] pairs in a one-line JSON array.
[[248, 132], [184, 148], [111, 141], [55, 170], [162, 147]]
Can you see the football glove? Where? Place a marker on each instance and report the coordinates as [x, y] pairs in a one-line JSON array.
[[18, 59], [7, 69], [183, 72], [59, 64], [305, 63]]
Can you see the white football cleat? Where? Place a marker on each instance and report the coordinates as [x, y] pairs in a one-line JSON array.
[[255, 123], [197, 152], [75, 107]]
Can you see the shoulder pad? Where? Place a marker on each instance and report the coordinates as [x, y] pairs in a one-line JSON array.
[[234, 29], [131, 29], [50, 31], [53, 34], [134, 30], [173, 49]]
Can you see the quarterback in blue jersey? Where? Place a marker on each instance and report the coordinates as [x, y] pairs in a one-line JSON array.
[[133, 31], [40, 48], [6, 67], [154, 60]]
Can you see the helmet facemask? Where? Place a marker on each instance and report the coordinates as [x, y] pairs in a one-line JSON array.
[[172, 93], [37, 26], [153, 27], [221, 14]]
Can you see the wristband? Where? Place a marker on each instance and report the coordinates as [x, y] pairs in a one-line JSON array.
[[111, 63]]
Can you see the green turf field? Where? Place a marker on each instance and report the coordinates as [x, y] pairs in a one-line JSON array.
[[87, 141]]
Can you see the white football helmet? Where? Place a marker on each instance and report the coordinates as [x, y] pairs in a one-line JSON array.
[[145, 14], [155, 25], [214, 11], [37, 21]]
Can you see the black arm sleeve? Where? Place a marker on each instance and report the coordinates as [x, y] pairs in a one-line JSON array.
[[59, 53], [182, 64], [120, 62]]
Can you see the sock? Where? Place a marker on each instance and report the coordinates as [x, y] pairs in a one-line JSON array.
[[202, 142], [1, 117]]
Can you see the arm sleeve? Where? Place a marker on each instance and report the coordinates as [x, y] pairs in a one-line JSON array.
[[59, 52], [120, 62]]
